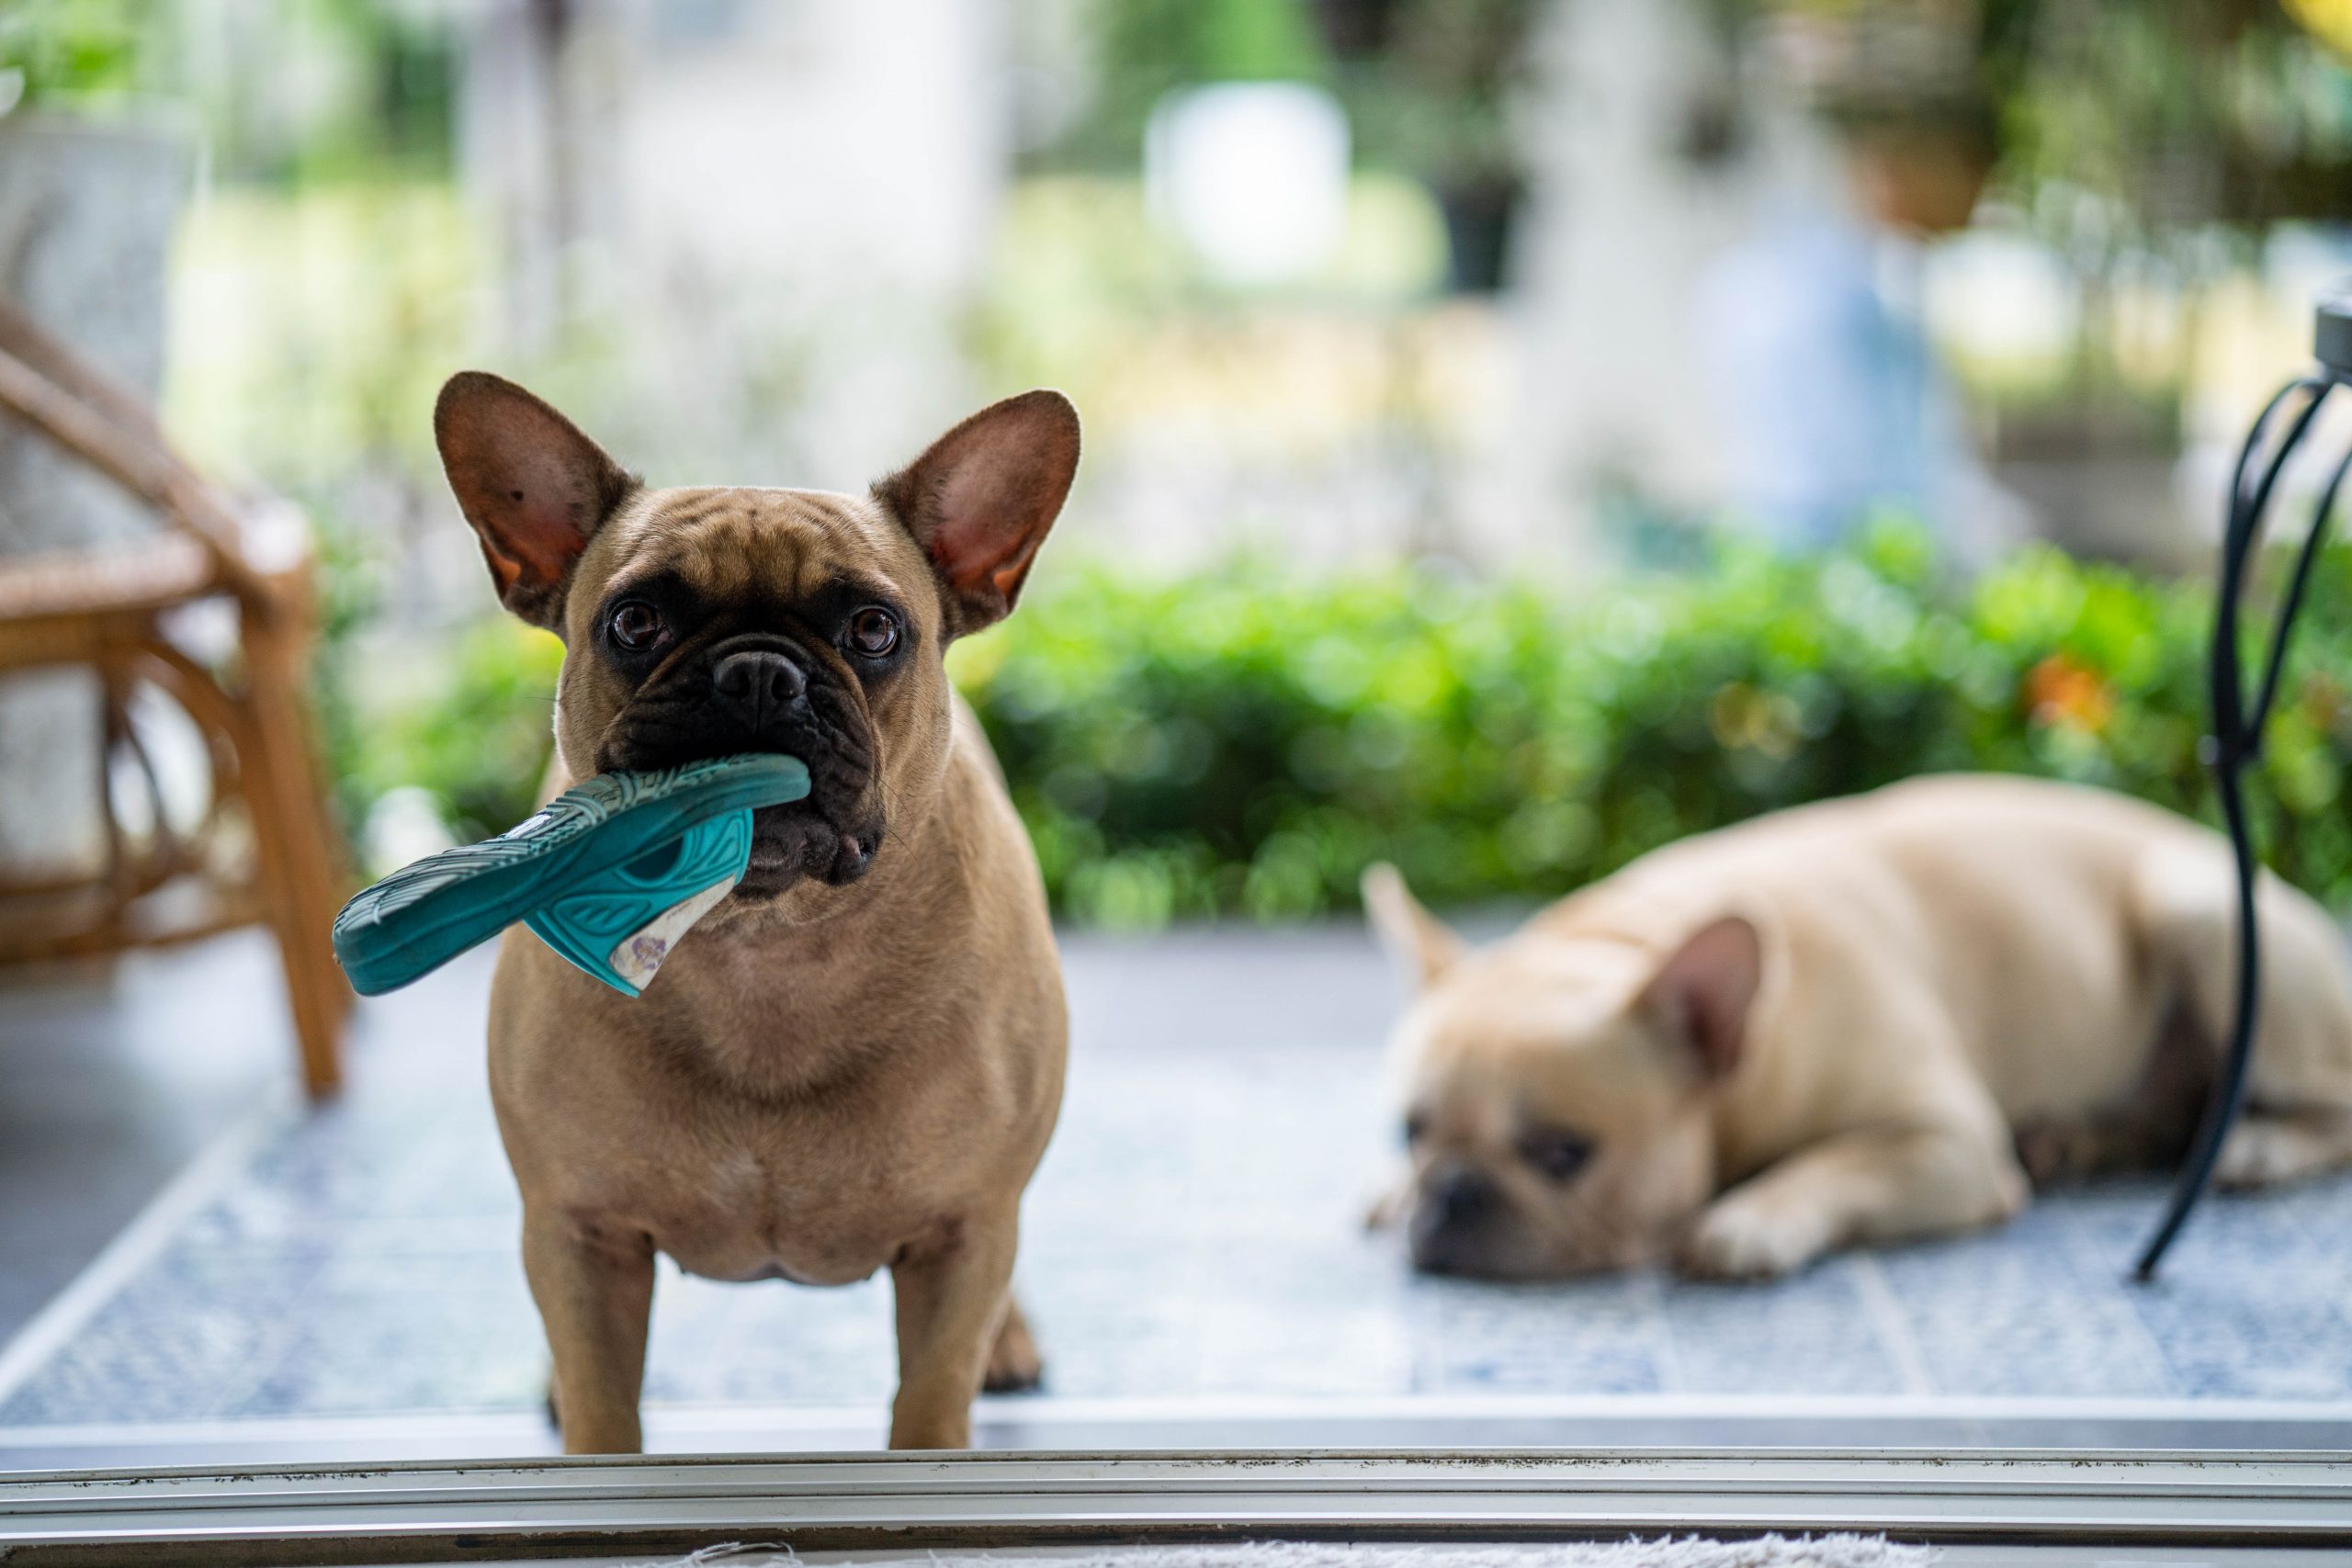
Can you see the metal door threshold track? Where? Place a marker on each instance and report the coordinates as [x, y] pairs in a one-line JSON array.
[[441, 1511]]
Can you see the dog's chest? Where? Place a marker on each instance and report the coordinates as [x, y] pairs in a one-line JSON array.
[[807, 1137], [823, 1189], [748, 1212]]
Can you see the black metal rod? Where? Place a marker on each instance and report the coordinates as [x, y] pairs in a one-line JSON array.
[[2258, 721], [2237, 741], [2229, 1088]]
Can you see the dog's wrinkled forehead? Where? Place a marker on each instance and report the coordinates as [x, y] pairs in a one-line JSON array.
[[737, 544], [1521, 1001], [1518, 1034]]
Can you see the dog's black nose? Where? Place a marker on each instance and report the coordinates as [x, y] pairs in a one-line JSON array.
[[1453, 1221], [761, 683], [1458, 1198]]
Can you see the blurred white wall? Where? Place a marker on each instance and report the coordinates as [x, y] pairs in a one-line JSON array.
[[1630, 205], [86, 215], [771, 212]]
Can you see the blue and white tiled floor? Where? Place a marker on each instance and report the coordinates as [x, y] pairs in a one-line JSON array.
[[1194, 1237]]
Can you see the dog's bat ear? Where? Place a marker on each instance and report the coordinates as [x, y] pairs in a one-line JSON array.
[[1699, 996], [534, 488], [980, 500], [1410, 931]]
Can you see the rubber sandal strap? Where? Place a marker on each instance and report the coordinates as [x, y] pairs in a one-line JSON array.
[[425, 914]]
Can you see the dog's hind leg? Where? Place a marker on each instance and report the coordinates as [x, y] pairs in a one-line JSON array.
[[2268, 1148], [2298, 1119], [2148, 1129], [1014, 1366]]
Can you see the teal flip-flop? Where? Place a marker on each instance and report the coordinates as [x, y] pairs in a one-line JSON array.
[[609, 875]]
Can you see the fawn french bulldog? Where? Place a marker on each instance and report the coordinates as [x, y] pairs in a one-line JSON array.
[[854, 1062], [1858, 1022]]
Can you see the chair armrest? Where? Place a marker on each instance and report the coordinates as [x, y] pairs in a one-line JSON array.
[[139, 460]]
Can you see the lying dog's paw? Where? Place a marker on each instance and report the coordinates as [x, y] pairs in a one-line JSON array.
[[2056, 1151], [1390, 1208], [2268, 1150], [1014, 1366], [1745, 1239]]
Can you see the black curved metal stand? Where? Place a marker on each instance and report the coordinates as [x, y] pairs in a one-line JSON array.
[[2235, 744]]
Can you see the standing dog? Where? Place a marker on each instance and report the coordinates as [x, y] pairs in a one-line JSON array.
[[854, 1060], [1858, 1022]]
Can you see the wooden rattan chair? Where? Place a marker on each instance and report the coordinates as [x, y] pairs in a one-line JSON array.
[[264, 852]]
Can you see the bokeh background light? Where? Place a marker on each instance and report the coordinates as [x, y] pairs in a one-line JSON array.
[[1518, 430]]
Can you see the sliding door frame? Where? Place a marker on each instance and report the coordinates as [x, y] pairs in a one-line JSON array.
[[505, 1510]]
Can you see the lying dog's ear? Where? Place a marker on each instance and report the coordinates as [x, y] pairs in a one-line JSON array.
[[982, 499], [1410, 932], [1699, 996], [534, 488]]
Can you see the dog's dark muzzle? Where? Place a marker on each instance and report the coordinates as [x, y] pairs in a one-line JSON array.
[[795, 840], [759, 692], [1452, 1219]]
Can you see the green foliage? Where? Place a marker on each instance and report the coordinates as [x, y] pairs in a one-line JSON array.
[[468, 723], [2122, 125], [310, 324], [290, 92], [1434, 98], [70, 50], [2181, 114], [388, 111], [1427, 83], [1147, 49], [1244, 742]]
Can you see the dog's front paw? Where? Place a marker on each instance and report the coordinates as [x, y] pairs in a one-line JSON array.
[[1746, 1239], [2059, 1151]]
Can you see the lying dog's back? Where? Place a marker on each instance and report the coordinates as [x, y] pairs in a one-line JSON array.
[[2018, 903]]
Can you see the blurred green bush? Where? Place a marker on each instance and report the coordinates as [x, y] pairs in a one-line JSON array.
[[466, 719], [1244, 742]]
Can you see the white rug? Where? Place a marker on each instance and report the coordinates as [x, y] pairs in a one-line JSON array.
[[1765, 1552]]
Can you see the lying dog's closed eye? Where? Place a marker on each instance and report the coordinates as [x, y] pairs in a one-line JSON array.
[[1557, 1154], [854, 1061], [1846, 1023]]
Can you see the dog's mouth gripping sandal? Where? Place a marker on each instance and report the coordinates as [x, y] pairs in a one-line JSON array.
[[610, 875]]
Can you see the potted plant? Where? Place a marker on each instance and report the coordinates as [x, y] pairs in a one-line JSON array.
[[90, 192], [1432, 87]]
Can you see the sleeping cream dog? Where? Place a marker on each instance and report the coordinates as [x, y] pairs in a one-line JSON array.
[[1858, 1022], [854, 1060]]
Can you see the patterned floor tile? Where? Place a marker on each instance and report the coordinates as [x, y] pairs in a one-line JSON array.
[[1196, 1231]]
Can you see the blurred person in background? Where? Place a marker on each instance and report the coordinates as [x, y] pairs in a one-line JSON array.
[[1830, 398]]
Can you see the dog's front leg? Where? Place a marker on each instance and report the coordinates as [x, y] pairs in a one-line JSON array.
[[951, 1292], [596, 1297], [1873, 1185]]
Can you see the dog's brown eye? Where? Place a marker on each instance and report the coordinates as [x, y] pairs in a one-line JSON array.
[[636, 625], [1415, 1126], [873, 631], [1557, 1154]]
